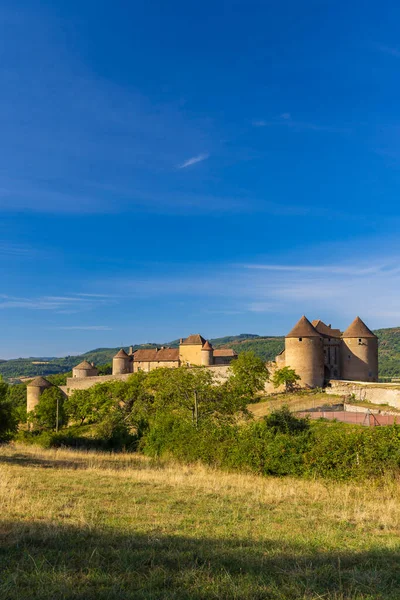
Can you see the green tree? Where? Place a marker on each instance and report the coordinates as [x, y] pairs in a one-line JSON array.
[[49, 412], [283, 421], [8, 417], [248, 375], [79, 406], [190, 390], [287, 377], [16, 394], [105, 369]]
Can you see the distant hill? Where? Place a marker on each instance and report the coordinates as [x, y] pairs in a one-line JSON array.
[[265, 347]]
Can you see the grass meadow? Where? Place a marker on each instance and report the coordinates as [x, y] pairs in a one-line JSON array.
[[90, 525]]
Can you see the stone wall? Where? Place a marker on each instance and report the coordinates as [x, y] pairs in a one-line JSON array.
[[84, 383], [377, 393], [146, 366]]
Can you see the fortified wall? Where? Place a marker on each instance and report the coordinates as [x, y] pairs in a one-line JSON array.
[[84, 383], [377, 393]]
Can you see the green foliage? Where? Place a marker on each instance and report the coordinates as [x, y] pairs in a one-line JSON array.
[[284, 421], [49, 412], [80, 406], [16, 395], [105, 369], [287, 377], [249, 374], [8, 416], [59, 378]]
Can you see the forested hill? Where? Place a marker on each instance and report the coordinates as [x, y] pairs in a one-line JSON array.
[[264, 346]]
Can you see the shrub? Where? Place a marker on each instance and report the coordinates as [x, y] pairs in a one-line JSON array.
[[283, 421]]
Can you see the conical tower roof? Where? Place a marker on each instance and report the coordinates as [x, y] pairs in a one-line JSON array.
[[303, 328], [358, 329], [121, 354], [84, 366], [207, 346], [40, 382]]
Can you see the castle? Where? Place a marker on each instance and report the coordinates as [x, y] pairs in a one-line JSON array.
[[318, 353], [193, 351]]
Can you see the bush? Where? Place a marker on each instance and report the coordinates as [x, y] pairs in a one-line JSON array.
[[280, 445], [283, 421]]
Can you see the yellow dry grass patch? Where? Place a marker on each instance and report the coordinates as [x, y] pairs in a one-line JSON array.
[[140, 518]]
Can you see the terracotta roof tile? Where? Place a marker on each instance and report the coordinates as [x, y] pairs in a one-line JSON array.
[[326, 330], [358, 329], [207, 346], [155, 354], [225, 352], [195, 340], [121, 354], [84, 366], [40, 382], [303, 328]]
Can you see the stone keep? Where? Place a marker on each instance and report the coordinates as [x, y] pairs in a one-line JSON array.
[[304, 353], [359, 353], [122, 363]]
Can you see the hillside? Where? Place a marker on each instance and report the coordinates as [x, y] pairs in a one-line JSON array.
[[266, 347]]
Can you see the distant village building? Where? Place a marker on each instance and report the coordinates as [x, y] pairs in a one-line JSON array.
[[318, 353]]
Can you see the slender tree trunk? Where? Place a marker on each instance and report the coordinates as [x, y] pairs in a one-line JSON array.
[[57, 416], [196, 410]]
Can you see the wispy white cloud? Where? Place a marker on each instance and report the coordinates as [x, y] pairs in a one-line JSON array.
[[349, 270], [60, 304], [9, 249], [336, 292], [285, 120], [193, 161]]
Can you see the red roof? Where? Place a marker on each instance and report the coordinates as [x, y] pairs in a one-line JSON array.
[[195, 340], [303, 328], [155, 355], [358, 329], [121, 354], [207, 346], [326, 330], [225, 352]]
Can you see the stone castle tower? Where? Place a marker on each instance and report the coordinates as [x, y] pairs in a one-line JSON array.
[[359, 353], [318, 353], [304, 353]]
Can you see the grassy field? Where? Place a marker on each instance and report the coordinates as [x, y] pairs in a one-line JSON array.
[[98, 526]]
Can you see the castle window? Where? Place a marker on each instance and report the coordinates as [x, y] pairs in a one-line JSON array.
[[349, 356], [359, 340], [300, 339]]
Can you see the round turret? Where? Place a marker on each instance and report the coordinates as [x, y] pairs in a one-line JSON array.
[[84, 369], [121, 363], [207, 355], [34, 390], [359, 353], [304, 353]]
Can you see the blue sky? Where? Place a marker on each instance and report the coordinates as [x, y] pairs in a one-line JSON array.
[[215, 167]]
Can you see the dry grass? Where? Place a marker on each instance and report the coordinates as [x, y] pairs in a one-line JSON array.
[[95, 525], [295, 401]]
